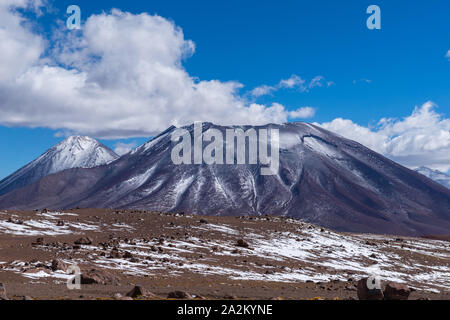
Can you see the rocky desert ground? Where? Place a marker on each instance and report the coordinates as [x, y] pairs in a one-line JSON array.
[[184, 256]]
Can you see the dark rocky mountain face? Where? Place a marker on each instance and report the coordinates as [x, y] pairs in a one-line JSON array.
[[322, 178]]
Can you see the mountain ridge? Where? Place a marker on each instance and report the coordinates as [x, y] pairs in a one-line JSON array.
[[323, 179]]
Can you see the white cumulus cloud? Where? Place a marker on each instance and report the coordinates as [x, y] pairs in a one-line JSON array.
[[122, 148], [420, 139], [303, 113], [121, 76]]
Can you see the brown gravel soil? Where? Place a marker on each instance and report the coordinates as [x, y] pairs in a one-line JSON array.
[[206, 257]]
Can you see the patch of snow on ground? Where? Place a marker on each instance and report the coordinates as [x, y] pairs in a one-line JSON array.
[[321, 147], [43, 227], [56, 215]]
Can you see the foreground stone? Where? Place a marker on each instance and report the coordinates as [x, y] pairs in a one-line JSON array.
[[38, 242], [83, 241], [96, 276], [179, 295], [3, 295], [139, 291], [242, 243], [59, 265], [396, 291], [364, 293]]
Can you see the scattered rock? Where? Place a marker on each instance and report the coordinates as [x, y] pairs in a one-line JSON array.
[[3, 295], [127, 255], [115, 254], [139, 291], [38, 242], [96, 276], [364, 293], [58, 265], [242, 244], [83, 241], [396, 291], [15, 221], [179, 295]]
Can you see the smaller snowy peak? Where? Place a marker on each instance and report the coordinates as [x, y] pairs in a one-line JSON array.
[[77, 152], [435, 175], [73, 152]]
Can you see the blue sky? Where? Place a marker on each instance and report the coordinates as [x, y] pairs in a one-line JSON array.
[[374, 73]]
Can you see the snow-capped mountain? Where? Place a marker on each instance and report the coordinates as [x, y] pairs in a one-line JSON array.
[[323, 178], [73, 152], [435, 175]]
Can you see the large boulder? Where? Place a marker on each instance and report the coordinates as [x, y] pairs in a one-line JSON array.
[[3, 295], [96, 276], [396, 291], [58, 265], [242, 243], [373, 293], [179, 295], [83, 241], [139, 291]]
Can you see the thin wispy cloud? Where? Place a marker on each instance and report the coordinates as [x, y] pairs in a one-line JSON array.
[[366, 81], [294, 82]]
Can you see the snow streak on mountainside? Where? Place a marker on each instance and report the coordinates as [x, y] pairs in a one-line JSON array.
[[323, 179], [435, 175], [73, 152]]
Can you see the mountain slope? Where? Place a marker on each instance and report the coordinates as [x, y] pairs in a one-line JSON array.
[[323, 179], [73, 152], [435, 175]]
